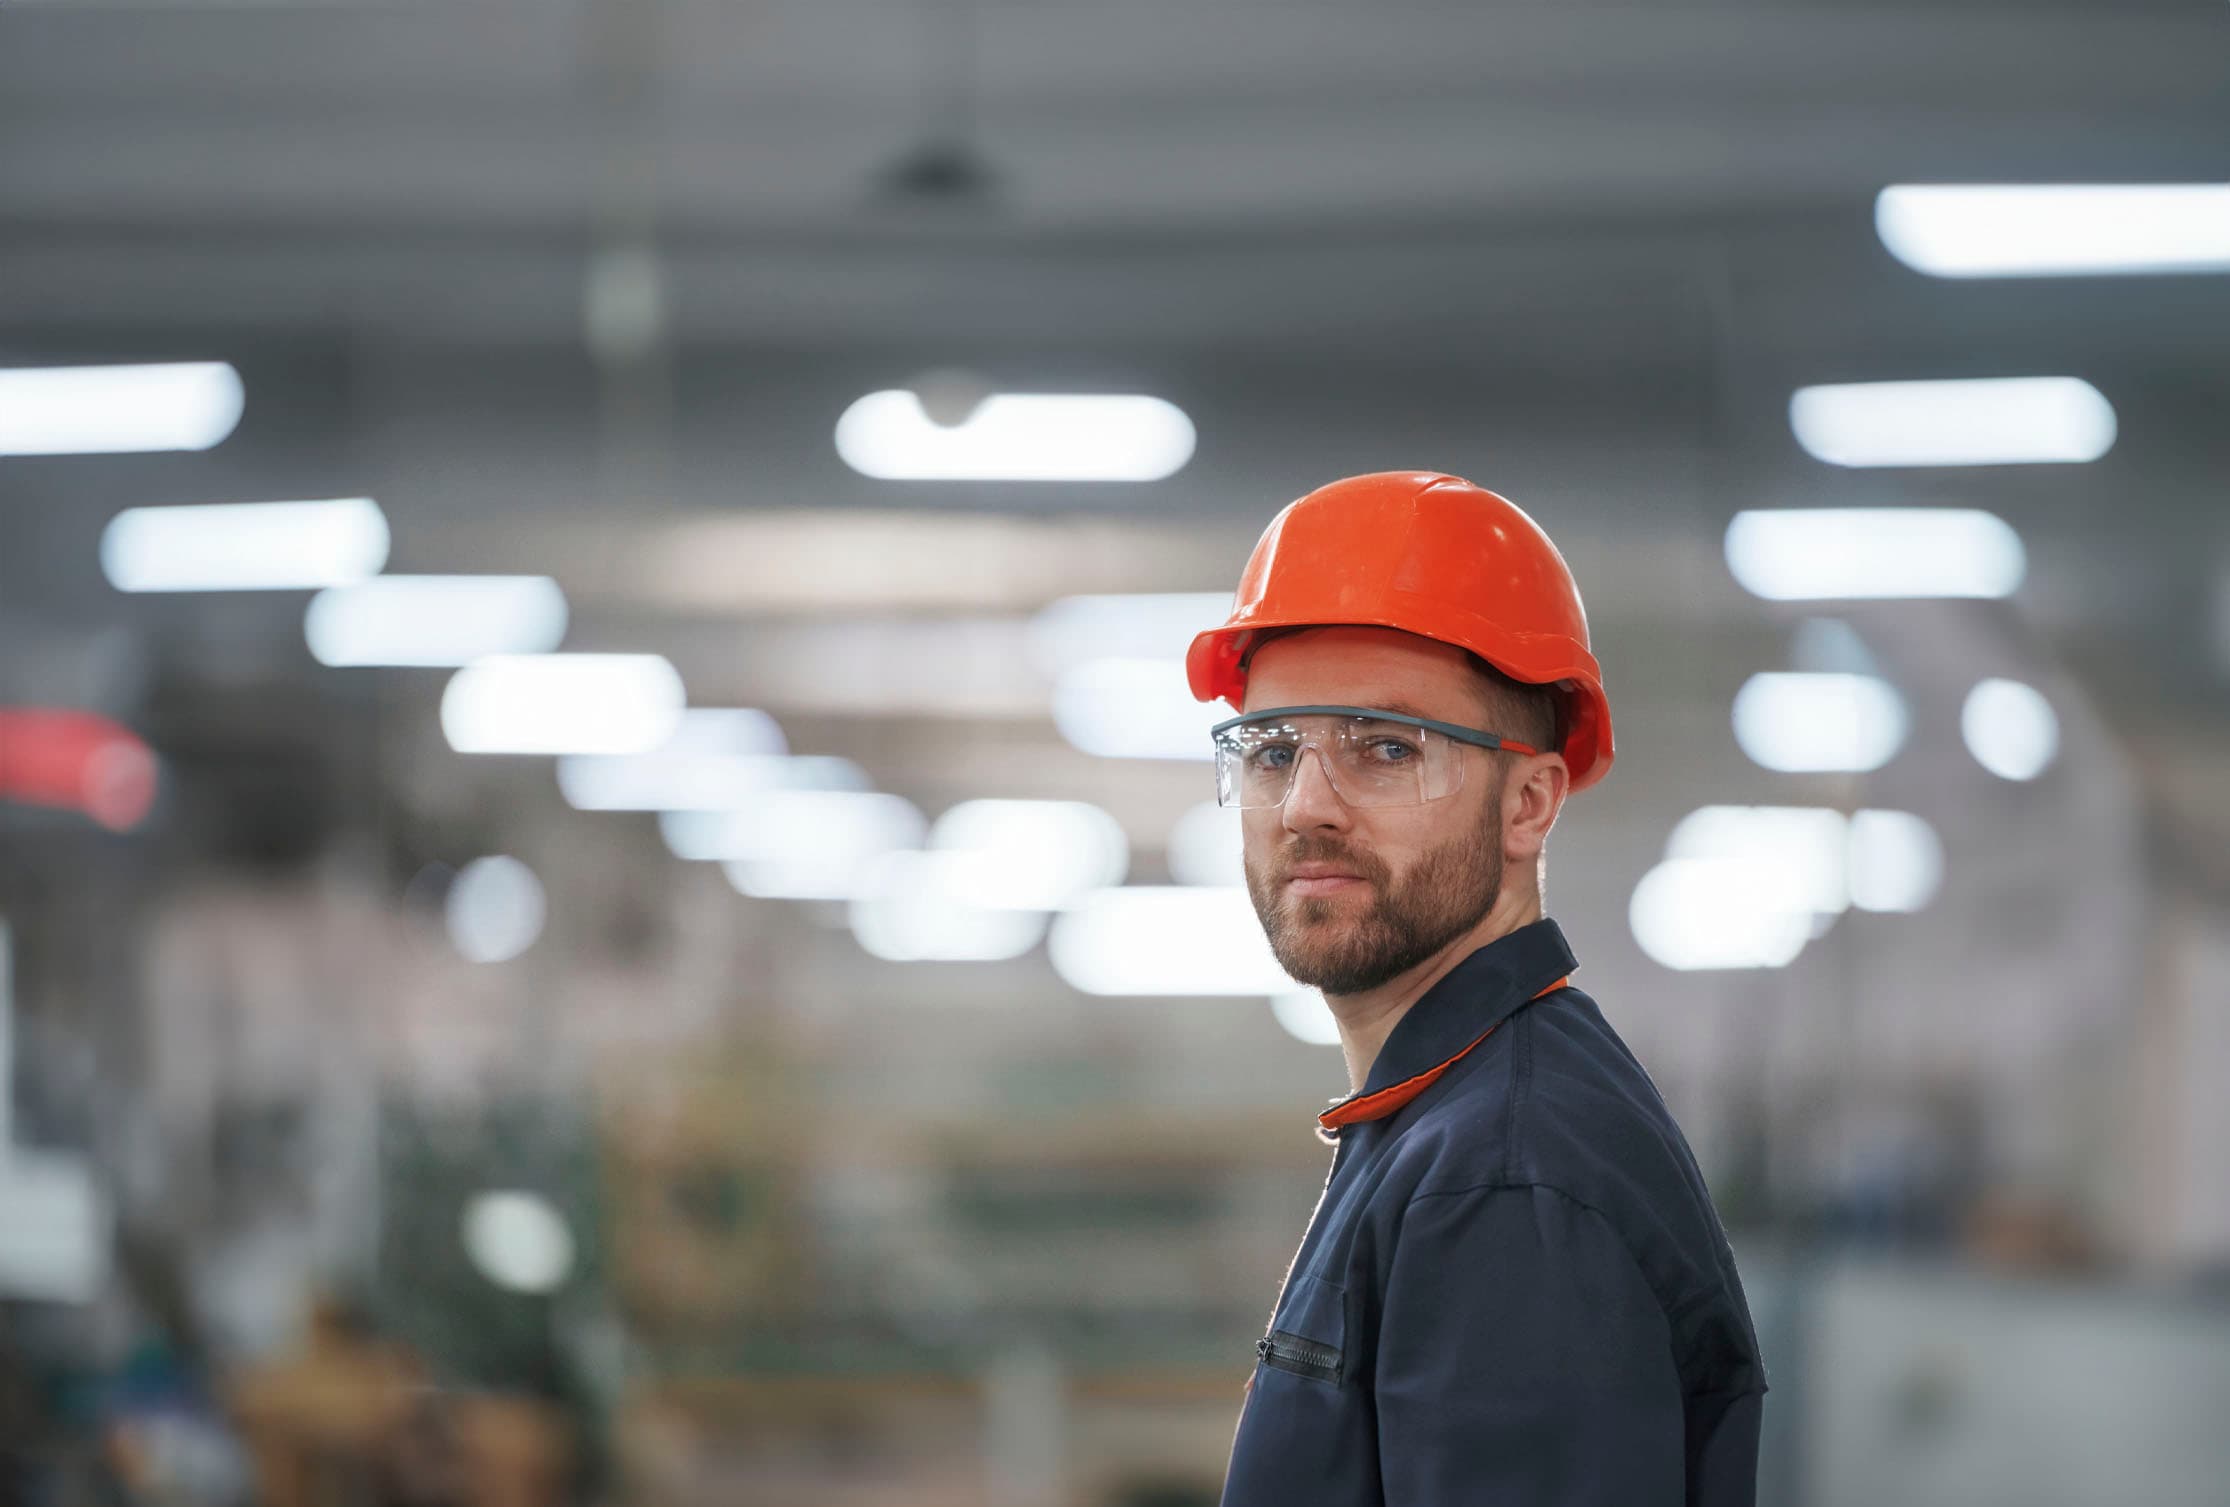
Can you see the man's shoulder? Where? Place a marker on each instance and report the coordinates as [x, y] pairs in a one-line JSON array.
[[1552, 1096], [1584, 1108], [1562, 1104], [1561, 1110]]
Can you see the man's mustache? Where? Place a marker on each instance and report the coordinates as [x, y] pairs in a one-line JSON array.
[[1322, 850]]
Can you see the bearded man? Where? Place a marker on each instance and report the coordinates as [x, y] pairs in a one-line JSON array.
[[1515, 1288]]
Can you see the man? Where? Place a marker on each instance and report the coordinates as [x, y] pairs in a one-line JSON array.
[[1514, 1289]]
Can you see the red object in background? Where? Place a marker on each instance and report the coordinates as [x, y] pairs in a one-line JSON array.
[[76, 760]]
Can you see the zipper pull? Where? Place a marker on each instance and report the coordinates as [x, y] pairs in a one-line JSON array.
[[1262, 1347]]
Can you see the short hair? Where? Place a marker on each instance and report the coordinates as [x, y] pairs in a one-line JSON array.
[[1519, 711]]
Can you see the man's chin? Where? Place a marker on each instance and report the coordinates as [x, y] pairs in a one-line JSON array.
[[1305, 969], [1314, 948], [1316, 910], [1326, 968]]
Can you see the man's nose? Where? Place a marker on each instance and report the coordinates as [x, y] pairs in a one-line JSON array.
[[1310, 801]]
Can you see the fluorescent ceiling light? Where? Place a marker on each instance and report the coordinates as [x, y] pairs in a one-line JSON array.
[[1166, 941], [719, 758], [2010, 729], [1701, 913], [1306, 1017], [494, 909], [819, 844], [728, 823], [1798, 852], [726, 730], [245, 546], [434, 620], [105, 410], [1017, 437], [2056, 229], [1819, 723], [1206, 846], [695, 784], [562, 703], [1813, 554], [1896, 861], [1143, 625], [1814, 859], [1992, 422], [1029, 855], [913, 908], [1134, 709]]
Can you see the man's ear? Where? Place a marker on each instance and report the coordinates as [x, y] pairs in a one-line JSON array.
[[1532, 797]]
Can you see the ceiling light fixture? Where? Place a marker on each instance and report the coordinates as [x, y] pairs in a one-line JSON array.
[[1817, 554], [562, 703], [2056, 229], [106, 410], [1166, 940], [2010, 728], [245, 546], [1819, 723], [434, 620], [1997, 421], [892, 436]]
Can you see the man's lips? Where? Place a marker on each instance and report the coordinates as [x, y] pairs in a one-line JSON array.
[[1320, 878]]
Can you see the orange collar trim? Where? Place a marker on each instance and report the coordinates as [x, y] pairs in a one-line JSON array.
[[1383, 1103]]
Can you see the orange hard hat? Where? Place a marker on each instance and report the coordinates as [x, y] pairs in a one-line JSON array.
[[1432, 555]]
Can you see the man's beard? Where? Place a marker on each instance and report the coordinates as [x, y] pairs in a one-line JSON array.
[[1448, 891]]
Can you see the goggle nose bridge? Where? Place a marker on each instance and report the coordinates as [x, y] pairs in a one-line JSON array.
[[1346, 726]]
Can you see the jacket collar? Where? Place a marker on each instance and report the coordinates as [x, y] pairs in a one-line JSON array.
[[1455, 1015]]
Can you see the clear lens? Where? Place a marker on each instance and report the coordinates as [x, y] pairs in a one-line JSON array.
[[1369, 762]]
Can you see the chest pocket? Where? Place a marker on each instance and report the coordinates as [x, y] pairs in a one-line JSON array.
[[1308, 1335], [1307, 1432]]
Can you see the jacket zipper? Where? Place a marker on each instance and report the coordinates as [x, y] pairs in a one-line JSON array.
[[1299, 1354]]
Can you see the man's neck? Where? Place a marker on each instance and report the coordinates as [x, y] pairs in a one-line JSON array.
[[1367, 1019]]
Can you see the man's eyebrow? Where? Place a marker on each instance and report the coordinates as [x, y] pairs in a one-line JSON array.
[[1408, 709]]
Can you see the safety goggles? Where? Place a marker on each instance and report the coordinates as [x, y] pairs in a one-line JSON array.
[[1371, 758]]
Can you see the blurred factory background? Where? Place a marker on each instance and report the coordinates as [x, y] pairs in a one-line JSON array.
[[803, 1043]]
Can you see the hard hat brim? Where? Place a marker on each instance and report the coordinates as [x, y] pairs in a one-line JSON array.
[[1215, 669]]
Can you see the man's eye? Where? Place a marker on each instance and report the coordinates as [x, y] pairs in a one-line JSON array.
[[1392, 750], [1271, 756]]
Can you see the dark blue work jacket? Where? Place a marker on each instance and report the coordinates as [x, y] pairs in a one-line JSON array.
[[1514, 1289]]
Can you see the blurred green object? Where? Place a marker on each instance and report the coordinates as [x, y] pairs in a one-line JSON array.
[[426, 1290]]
